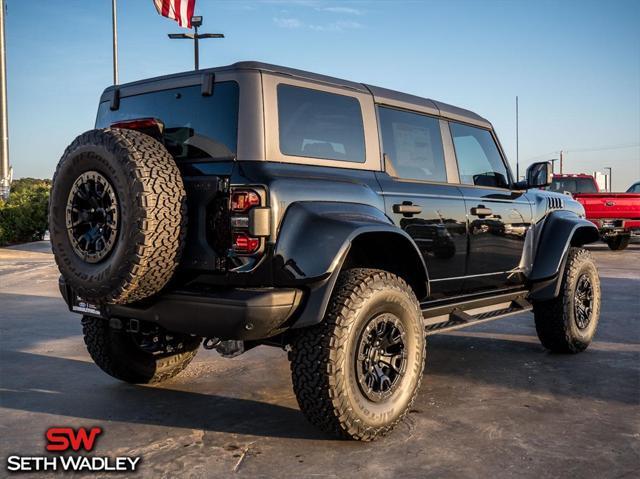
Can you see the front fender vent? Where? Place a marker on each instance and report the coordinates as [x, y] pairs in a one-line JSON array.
[[554, 203]]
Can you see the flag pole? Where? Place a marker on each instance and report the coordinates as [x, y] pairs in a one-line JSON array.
[[114, 24]]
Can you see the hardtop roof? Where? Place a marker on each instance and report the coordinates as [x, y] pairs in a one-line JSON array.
[[381, 95]]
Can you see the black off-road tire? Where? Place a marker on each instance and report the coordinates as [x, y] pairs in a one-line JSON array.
[[618, 243], [556, 323], [152, 215], [117, 354], [323, 357]]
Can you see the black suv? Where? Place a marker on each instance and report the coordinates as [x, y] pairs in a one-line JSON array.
[[259, 205]]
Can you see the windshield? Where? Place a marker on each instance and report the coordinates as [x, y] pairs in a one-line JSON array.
[[195, 126], [573, 185]]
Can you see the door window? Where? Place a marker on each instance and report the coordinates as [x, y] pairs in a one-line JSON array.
[[479, 160], [413, 143]]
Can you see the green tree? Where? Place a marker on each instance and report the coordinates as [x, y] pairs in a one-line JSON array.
[[23, 217]]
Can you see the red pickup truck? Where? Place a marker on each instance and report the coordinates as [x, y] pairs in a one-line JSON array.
[[617, 215]]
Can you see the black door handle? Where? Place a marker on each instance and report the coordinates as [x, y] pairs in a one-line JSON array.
[[407, 209], [481, 211]]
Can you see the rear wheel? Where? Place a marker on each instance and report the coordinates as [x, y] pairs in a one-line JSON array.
[[143, 354], [618, 243], [356, 373], [567, 324]]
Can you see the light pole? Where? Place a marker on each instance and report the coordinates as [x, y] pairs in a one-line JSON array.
[[5, 170], [196, 22], [610, 184]]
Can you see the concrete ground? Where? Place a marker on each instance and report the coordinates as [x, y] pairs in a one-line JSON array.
[[493, 402]]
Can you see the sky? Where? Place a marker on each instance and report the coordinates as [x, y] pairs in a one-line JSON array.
[[574, 64]]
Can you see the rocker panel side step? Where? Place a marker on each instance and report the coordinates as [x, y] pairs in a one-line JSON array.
[[461, 315]]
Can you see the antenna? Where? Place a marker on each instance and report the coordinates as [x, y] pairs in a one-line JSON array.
[[517, 145]]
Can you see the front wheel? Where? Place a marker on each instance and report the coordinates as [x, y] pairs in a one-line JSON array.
[[567, 324], [618, 243], [356, 373], [144, 356]]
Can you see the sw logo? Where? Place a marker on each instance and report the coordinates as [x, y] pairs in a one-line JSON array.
[[65, 438], [69, 440]]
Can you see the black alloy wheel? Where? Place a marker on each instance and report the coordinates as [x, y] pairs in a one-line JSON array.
[[583, 301], [381, 357], [92, 217]]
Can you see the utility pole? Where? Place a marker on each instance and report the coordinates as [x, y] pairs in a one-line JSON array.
[[5, 170], [196, 37], [517, 144]]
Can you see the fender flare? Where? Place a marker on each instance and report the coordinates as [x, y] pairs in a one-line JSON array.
[[560, 230], [314, 241]]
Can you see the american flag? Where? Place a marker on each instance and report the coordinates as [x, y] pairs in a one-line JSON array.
[[179, 10]]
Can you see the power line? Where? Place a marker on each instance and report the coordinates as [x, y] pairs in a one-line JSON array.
[[583, 150]]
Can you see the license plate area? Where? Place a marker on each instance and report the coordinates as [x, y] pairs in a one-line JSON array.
[[80, 305]]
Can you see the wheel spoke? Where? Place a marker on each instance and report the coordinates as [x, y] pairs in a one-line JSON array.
[[92, 217]]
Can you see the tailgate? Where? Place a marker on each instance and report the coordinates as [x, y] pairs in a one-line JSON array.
[[610, 205]]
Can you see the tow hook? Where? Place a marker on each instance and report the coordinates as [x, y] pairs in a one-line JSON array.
[[210, 343], [227, 349]]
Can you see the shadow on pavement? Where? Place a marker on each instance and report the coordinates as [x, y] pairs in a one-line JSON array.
[[69, 389], [518, 365]]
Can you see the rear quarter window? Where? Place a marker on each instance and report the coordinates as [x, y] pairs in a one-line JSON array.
[[318, 124], [195, 126]]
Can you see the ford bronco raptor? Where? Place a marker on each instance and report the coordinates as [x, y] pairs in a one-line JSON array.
[[256, 205]]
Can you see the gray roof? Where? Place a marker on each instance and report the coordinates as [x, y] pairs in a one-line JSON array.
[[381, 95]]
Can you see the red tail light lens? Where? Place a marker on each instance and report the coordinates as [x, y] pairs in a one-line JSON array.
[[243, 200], [243, 243]]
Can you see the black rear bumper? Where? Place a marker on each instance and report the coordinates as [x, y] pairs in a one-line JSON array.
[[251, 313]]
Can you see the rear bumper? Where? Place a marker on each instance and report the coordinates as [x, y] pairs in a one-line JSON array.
[[241, 314], [615, 227]]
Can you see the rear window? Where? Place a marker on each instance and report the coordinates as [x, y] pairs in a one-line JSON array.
[[195, 126], [318, 124], [573, 185]]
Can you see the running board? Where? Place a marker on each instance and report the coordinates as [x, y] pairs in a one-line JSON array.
[[461, 315]]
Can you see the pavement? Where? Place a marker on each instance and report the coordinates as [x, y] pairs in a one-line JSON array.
[[493, 402]]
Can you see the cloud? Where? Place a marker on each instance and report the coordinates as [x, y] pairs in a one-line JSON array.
[[288, 22], [337, 26], [344, 10]]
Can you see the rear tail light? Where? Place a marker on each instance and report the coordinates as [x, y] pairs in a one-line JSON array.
[[245, 244], [242, 201]]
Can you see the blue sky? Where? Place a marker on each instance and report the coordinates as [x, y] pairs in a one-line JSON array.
[[574, 64]]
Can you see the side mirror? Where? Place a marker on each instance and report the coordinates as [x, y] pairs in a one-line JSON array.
[[539, 174]]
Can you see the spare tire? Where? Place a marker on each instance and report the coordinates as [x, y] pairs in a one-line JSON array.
[[117, 216]]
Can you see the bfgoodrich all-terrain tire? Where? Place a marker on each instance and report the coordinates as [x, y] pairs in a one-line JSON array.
[[618, 243], [356, 373], [117, 215], [147, 356], [567, 324]]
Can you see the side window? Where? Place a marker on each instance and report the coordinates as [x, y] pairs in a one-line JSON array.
[[479, 161], [413, 143], [319, 124]]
